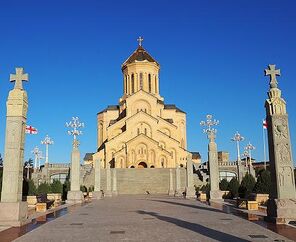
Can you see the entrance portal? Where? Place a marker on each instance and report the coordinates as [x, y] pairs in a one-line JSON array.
[[142, 165]]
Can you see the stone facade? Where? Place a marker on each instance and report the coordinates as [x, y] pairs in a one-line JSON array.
[[141, 131]]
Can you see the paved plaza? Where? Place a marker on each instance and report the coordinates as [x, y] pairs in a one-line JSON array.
[[149, 218]]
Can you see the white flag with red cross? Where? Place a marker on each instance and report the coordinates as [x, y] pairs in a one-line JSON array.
[[264, 123], [31, 130]]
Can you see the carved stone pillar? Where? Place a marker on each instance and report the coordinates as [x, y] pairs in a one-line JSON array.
[[281, 207]]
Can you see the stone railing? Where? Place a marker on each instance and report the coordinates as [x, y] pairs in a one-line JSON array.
[[59, 165], [227, 163]]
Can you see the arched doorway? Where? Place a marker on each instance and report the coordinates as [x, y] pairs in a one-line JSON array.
[[142, 164]]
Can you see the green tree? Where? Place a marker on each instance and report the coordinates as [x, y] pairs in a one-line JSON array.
[[83, 188], [32, 191], [233, 187], [43, 188], [247, 185], [263, 184], [56, 186], [223, 185]]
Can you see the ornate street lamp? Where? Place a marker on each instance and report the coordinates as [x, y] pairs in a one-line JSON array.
[[249, 148], [212, 156], [47, 141], [209, 123], [75, 124], [238, 138]]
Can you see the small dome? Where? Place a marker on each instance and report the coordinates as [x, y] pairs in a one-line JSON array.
[[140, 54]]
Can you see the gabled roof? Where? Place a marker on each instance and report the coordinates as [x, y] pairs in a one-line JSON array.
[[140, 54], [109, 108], [173, 106], [88, 156]]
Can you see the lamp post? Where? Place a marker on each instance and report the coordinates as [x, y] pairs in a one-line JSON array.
[[28, 167], [75, 124], [238, 138], [47, 141], [38, 155], [249, 148], [212, 155]]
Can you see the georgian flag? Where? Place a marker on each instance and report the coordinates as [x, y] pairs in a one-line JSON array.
[[264, 123], [31, 130]]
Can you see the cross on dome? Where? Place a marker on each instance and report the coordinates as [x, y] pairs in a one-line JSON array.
[[19, 77], [140, 40], [272, 72]]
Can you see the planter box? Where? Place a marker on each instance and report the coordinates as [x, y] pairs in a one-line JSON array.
[[54, 196], [252, 205], [202, 197], [41, 207], [262, 198], [32, 201]]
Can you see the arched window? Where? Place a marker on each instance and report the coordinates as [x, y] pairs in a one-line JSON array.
[[149, 83], [133, 83], [145, 130], [141, 80], [156, 84], [138, 131]]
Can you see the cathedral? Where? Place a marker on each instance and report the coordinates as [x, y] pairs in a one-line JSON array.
[[141, 131]]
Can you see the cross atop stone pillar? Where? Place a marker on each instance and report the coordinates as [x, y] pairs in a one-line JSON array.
[[19, 77], [13, 211], [281, 207], [272, 72]]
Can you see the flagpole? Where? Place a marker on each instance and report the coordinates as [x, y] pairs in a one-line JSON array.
[[264, 145]]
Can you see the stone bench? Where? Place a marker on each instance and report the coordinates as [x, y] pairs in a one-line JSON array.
[[32, 201], [202, 197], [246, 204], [252, 205], [43, 199], [41, 207]]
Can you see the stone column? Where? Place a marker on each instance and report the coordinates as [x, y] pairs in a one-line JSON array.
[[97, 193], [281, 207], [114, 184], [215, 193], [190, 190], [108, 192], [75, 195], [13, 211], [178, 182], [171, 185]]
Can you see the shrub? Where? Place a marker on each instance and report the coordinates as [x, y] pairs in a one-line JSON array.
[[223, 185], [66, 188], [43, 188], [56, 186], [233, 187], [247, 185], [32, 191], [263, 183]]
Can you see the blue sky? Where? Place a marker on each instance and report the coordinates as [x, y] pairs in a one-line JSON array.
[[212, 56]]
